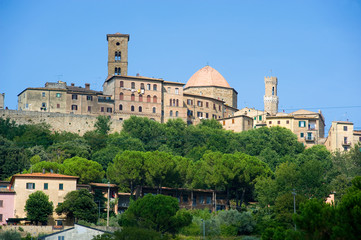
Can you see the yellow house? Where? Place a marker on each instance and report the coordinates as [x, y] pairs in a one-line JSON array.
[[56, 186], [342, 136]]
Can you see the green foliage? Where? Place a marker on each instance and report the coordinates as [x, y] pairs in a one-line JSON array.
[[87, 170], [38, 207], [63, 150], [47, 166], [79, 205], [159, 213], [13, 159], [236, 222], [105, 156], [10, 235], [102, 125], [35, 134], [123, 141]]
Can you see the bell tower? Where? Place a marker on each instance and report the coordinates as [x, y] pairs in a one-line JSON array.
[[117, 54], [270, 98]]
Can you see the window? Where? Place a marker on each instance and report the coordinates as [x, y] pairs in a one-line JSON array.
[[345, 140], [61, 186], [1, 217], [121, 96], [57, 105], [199, 103], [288, 121], [140, 109], [171, 113], [58, 95], [270, 122], [132, 85], [120, 119], [74, 107], [207, 115], [148, 98], [109, 110], [148, 86], [201, 199], [121, 84], [176, 91], [117, 71], [132, 108], [45, 186], [232, 120], [185, 198], [189, 102], [155, 99], [194, 200], [273, 91], [74, 97], [142, 86], [189, 113], [118, 56], [132, 97], [302, 135], [278, 122], [176, 113], [89, 98], [170, 102], [89, 108], [199, 114], [345, 128], [302, 123], [207, 104], [1, 203], [219, 107], [120, 107], [224, 122], [154, 109], [209, 200], [169, 89], [43, 105], [30, 185], [177, 103], [43, 94], [140, 98], [61, 238], [154, 87], [102, 109], [173, 102], [260, 118]]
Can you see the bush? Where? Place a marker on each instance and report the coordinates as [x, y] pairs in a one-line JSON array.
[[10, 235]]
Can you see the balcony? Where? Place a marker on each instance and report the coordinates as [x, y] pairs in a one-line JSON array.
[[105, 100], [310, 138], [346, 143]]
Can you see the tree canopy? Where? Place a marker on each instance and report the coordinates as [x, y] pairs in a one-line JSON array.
[[38, 207]]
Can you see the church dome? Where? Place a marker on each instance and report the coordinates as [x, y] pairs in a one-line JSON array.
[[207, 76]]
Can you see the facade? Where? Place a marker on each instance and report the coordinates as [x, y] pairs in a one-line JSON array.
[[308, 126], [237, 123], [270, 98], [342, 136], [79, 232], [7, 198], [56, 186], [189, 198], [2, 100], [206, 95]]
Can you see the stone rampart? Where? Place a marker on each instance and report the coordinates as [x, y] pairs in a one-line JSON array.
[[58, 121]]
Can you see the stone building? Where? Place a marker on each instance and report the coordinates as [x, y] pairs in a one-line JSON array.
[[270, 98], [342, 136], [2, 100], [206, 95]]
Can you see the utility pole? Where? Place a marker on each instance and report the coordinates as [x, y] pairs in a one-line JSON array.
[[108, 204], [204, 229]]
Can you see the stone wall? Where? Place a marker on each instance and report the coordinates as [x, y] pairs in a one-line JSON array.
[[33, 230], [59, 121]]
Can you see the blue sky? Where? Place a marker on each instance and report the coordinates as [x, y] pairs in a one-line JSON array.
[[313, 47]]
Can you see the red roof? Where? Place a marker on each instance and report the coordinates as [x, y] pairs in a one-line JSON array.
[[41, 175]]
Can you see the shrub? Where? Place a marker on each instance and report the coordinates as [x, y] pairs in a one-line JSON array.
[[10, 235]]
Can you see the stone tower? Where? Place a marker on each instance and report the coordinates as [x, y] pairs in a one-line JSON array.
[[117, 54], [270, 98]]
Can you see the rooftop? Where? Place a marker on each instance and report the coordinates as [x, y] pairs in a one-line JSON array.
[[207, 76]]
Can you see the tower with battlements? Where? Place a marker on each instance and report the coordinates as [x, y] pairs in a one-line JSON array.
[[270, 98]]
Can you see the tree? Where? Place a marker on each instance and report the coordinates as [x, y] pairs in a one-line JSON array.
[[79, 205], [160, 213], [87, 170], [47, 166], [35, 134], [63, 150], [10, 235], [38, 207], [105, 156], [102, 125], [127, 170]]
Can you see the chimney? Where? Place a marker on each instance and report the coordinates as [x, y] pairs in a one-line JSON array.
[[72, 84], [87, 86]]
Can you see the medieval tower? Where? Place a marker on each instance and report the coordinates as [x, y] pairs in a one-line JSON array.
[[117, 54], [270, 98]]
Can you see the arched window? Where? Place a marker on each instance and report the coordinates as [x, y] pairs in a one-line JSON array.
[[140, 109], [176, 113], [140, 98], [148, 98], [142, 86], [155, 99], [120, 107], [121, 84], [148, 86], [133, 85], [118, 56], [171, 113], [177, 103], [154, 109], [117, 71], [132, 97], [170, 102], [173, 102], [154, 87], [273, 90], [121, 96], [132, 108]]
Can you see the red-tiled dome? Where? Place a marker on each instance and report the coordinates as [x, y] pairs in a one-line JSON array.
[[207, 76]]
